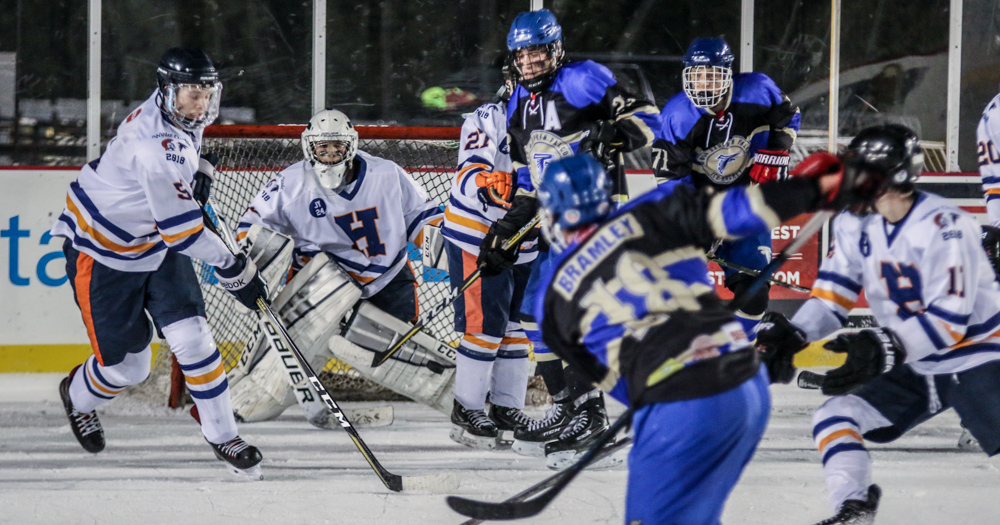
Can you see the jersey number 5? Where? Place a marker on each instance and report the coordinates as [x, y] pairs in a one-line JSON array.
[[182, 192]]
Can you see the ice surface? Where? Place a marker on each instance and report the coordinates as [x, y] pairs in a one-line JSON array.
[[157, 469]]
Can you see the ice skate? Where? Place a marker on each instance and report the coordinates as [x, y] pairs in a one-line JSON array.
[[86, 426], [508, 420], [589, 423], [242, 459], [856, 512], [531, 440], [473, 428], [967, 442]]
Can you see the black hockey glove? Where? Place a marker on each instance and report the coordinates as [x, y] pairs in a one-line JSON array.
[[870, 353], [991, 243], [602, 137], [493, 259], [778, 340], [243, 281], [204, 177]]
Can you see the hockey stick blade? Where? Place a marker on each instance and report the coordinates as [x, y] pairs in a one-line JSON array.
[[369, 417], [431, 483], [810, 380], [538, 487]]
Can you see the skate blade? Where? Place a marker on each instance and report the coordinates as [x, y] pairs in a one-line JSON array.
[[253, 473], [505, 440], [564, 458], [373, 417], [458, 435], [967, 442], [441, 483], [532, 449]]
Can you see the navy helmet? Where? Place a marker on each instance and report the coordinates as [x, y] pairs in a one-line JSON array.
[[880, 158], [708, 71], [532, 29], [574, 192], [189, 68]]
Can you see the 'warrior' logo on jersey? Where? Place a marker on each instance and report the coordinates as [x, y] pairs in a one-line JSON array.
[[317, 208], [361, 227], [724, 162], [543, 148]]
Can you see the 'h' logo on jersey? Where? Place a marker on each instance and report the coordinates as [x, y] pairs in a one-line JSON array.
[[361, 227]]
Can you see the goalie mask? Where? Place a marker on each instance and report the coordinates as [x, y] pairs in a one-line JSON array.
[[575, 191], [708, 72], [190, 89], [329, 143], [536, 50]]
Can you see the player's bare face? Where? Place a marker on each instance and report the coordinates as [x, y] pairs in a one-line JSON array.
[[533, 61], [330, 152], [193, 101]]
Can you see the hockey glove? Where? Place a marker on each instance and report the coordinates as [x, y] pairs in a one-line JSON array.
[[493, 259], [778, 340], [204, 177], [769, 165], [495, 188], [991, 243], [600, 139], [243, 281], [870, 353], [828, 170]]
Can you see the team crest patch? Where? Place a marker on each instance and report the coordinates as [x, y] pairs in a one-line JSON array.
[[725, 162], [545, 147], [317, 208]]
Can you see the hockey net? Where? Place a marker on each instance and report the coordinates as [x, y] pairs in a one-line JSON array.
[[249, 156]]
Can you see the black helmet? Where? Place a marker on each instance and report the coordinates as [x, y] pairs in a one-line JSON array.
[[186, 66], [890, 149], [193, 70]]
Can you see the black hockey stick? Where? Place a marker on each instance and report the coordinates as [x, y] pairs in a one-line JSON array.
[[755, 273], [398, 341], [441, 482], [551, 480], [524, 508]]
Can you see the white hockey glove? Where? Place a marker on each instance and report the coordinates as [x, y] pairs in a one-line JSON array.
[[243, 281]]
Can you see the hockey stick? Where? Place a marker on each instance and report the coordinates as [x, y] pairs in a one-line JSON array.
[[551, 480], [755, 273], [524, 508], [396, 344], [442, 482], [810, 380]]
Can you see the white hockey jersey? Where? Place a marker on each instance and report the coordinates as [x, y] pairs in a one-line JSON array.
[[926, 278], [136, 201], [365, 227], [988, 151], [483, 149]]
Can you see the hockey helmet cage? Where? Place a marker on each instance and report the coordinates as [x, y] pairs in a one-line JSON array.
[[534, 29], [330, 125], [192, 69], [574, 192], [708, 71]]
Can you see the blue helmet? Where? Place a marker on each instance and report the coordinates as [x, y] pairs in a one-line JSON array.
[[712, 51], [575, 191], [532, 29], [708, 72]]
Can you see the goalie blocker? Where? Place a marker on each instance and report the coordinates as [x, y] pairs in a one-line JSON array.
[[314, 306]]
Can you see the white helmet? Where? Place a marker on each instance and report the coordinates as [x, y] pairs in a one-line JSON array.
[[330, 125]]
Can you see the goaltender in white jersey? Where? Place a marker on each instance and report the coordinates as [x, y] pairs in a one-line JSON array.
[[988, 151], [357, 212]]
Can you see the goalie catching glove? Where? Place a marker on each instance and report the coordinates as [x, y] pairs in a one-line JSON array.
[[769, 165], [243, 281], [778, 340], [870, 353]]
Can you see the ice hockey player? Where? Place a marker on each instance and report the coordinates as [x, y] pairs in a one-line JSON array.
[[933, 293], [629, 301], [357, 209], [556, 110], [493, 353], [131, 223], [726, 130]]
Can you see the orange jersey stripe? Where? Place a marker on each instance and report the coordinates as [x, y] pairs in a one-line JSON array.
[[99, 237], [465, 221], [176, 237], [833, 297], [480, 342]]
